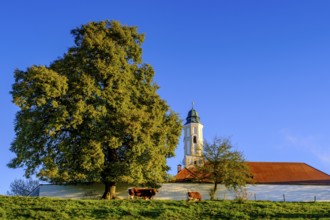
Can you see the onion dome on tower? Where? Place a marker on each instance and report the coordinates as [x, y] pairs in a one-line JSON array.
[[192, 117]]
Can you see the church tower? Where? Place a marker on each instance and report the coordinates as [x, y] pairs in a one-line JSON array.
[[193, 139]]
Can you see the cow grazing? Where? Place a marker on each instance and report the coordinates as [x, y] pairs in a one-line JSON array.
[[195, 196], [146, 193]]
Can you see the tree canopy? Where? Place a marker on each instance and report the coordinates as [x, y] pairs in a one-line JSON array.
[[94, 114], [223, 165]]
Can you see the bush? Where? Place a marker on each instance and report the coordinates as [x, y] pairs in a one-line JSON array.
[[241, 195], [2, 214]]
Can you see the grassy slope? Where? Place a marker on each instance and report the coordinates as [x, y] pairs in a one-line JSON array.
[[46, 208]]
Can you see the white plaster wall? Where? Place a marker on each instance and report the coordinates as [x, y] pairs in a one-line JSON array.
[[80, 191], [192, 149], [291, 192], [178, 191]]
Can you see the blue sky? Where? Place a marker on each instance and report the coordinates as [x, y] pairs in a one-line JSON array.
[[258, 71]]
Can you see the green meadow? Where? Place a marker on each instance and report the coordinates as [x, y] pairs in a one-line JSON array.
[[50, 208]]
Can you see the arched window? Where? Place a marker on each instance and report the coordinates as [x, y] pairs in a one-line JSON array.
[[195, 140]]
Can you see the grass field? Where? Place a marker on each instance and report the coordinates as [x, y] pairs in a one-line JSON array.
[[47, 208]]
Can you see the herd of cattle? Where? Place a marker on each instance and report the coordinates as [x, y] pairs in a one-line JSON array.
[[148, 193]]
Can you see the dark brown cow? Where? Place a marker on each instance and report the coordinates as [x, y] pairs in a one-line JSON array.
[[146, 193], [195, 196]]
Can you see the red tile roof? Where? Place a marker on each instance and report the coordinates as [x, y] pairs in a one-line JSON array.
[[273, 173]]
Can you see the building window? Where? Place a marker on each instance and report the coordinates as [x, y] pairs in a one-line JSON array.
[[195, 130], [195, 140]]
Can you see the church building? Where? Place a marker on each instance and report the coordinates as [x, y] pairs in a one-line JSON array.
[[273, 180], [296, 173]]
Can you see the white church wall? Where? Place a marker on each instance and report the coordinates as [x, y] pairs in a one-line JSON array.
[[178, 191], [80, 191], [303, 193]]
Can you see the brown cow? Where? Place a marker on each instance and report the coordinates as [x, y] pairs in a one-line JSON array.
[[195, 196], [146, 193]]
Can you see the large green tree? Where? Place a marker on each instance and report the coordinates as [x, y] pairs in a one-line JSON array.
[[223, 165], [94, 114]]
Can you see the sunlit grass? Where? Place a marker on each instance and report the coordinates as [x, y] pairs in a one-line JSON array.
[[48, 208]]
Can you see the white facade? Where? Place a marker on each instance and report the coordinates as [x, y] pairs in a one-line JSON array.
[[193, 143], [178, 191], [193, 140], [77, 191]]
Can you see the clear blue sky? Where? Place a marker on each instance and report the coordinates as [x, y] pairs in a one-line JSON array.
[[258, 71]]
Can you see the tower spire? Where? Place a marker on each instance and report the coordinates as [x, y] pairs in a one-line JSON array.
[[192, 116]]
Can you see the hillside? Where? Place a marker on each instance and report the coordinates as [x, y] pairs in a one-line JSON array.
[[46, 208]]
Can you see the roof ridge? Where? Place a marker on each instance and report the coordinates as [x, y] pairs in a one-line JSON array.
[[276, 172], [190, 171], [316, 169], [274, 162]]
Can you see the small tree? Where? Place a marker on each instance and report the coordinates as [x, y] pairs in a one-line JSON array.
[[224, 166], [21, 187]]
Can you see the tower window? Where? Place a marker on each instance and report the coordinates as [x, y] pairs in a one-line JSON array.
[[195, 130], [195, 140]]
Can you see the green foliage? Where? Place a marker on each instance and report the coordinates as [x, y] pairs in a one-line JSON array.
[[47, 208], [223, 165], [94, 114], [21, 187], [241, 195]]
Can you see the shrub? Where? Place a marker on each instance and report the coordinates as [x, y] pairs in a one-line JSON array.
[[241, 195]]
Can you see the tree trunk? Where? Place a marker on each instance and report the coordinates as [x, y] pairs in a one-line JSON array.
[[215, 187], [109, 190], [213, 191]]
